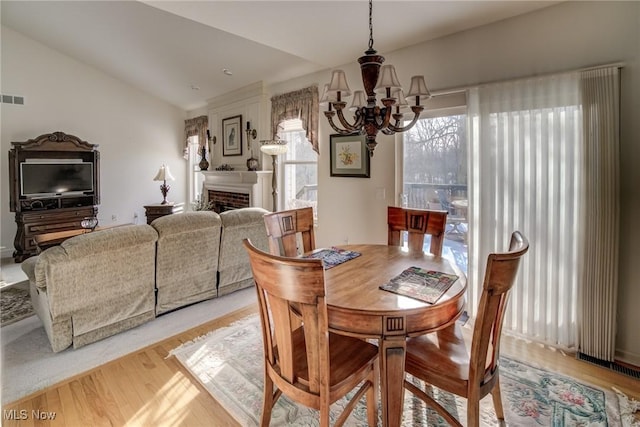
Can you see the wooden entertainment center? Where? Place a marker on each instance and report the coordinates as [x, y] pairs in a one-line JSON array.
[[51, 211]]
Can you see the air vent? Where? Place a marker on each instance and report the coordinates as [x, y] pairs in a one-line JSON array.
[[614, 366], [13, 99]]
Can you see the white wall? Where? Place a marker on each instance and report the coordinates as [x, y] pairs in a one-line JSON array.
[[562, 37], [136, 132]]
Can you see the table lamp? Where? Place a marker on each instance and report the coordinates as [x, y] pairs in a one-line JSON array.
[[164, 175], [274, 148]]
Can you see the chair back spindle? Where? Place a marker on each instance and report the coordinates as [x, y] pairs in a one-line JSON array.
[[289, 229], [417, 223]]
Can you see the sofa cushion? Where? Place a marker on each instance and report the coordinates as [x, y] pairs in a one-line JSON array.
[[239, 224], [186, 258]]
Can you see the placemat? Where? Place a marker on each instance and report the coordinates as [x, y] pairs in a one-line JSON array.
[[333, 256], [424, 285]]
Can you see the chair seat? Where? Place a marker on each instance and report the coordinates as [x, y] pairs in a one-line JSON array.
[[347, 355], [440, 359]]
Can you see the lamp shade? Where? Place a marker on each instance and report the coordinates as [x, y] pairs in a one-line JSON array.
[[398, 94], [164, 174], [388, 79], [339, 84], [327, 97], [358, 100], [274, 148], [418, 90]]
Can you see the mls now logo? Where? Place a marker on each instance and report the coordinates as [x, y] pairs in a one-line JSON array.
[[14, 414], [23, 414]]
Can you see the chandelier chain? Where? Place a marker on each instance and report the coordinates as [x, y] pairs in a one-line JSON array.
[[370, 25]]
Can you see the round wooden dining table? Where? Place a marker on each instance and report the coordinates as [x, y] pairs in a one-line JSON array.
[[358, 307]]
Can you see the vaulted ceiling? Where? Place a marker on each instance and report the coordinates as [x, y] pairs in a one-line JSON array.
[[178, 50]]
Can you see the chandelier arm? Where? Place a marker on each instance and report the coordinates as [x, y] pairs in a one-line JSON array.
[[407, 127], [346, 124], [329, 116]]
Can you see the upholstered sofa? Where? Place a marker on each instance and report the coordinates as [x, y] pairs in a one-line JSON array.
[[98, 284]]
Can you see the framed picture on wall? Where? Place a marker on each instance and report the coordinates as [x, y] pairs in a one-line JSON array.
[[232, 136], [349, 156]]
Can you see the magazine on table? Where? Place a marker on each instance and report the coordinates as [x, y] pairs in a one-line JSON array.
[[333, 256], [425, 285]]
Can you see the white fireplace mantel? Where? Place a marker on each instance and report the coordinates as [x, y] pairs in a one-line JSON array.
[[257, 184]]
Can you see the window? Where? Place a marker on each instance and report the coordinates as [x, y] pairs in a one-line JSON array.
[[434, 174], [298, 168], [196, 178]]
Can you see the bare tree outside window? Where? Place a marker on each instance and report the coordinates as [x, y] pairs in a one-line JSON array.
[[435, 176], [436, 151]]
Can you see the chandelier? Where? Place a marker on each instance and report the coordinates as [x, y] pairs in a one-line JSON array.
[[370, 117]]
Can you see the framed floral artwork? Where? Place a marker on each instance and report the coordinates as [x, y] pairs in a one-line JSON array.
[[349, 156], [232, 136]]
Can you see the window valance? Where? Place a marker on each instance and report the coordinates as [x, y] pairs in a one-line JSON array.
[[300, 104], [196, 126]]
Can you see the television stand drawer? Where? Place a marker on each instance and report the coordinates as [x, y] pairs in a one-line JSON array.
[[58, 215], [34, 223]]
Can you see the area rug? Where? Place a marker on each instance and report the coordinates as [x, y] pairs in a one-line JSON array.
[[15, 304], [228, 363]]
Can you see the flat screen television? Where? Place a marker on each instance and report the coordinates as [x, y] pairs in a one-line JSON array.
[[51, 178]]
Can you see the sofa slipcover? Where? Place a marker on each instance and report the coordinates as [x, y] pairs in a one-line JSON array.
[[94, 285], [234, 269], [187, 258]]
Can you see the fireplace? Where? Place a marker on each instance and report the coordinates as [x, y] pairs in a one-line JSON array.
[[237, 189], [226, 201]]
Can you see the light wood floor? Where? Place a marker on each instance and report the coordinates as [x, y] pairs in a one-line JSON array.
[[146, 388]]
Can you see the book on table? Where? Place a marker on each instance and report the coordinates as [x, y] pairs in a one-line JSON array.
[[333, 256], [424, 285]]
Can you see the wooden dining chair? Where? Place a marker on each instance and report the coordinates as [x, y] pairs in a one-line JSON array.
[[285, 228], [417, 222], [309, 364], [441, 359]]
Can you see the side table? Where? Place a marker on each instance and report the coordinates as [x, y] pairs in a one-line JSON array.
[[157, 210]]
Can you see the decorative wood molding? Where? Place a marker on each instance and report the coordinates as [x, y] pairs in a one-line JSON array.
[[58, 141]]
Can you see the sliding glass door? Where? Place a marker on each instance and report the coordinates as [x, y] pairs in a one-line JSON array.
[[435, 175]]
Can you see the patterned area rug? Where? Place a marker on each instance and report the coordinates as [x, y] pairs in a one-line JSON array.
[[15, 304], [228, 363]]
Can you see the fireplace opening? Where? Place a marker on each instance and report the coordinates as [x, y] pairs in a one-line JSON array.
[[225, 201]]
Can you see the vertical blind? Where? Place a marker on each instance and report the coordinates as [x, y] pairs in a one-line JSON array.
[[600, 90], [544, 159], [525, 174]]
